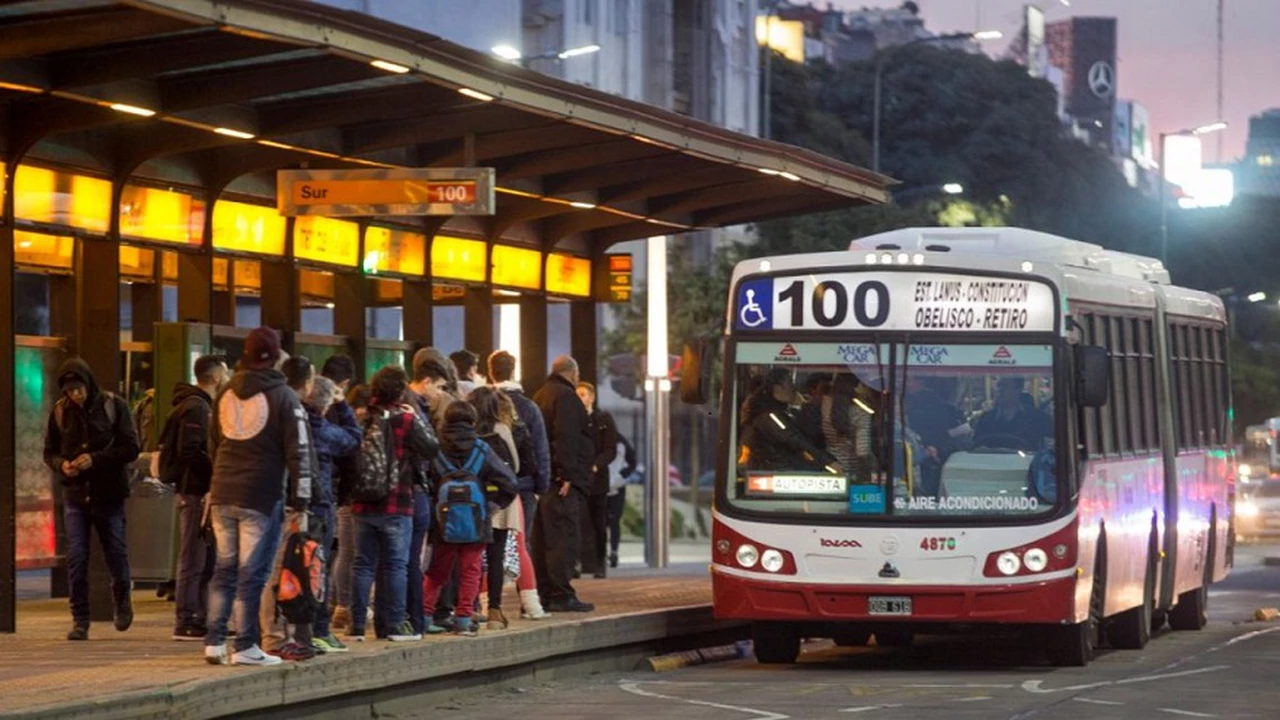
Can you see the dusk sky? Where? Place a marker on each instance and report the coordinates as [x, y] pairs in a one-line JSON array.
[[1167, 53]]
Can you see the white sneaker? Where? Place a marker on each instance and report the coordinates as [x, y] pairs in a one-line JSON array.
[[215, 654], [531, 606], [254, 656]]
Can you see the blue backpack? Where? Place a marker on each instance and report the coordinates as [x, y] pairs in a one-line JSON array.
[[461, 508]]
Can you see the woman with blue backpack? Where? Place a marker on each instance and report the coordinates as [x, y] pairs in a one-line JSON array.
[[470, 482]]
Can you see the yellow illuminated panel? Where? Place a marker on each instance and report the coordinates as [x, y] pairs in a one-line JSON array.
[[458, 258], [785, 36], [326, 240], [387, 292], [248, 274], [394, 251], [48, 196], [315, 285], [517, 267], [44, 251], [136, 262], [161, 215], [169, 266], [568, 275], [241, 227]]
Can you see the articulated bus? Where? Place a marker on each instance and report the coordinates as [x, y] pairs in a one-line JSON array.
[[970, 429]]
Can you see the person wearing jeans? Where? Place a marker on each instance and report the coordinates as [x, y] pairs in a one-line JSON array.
[[413, 578], [246, 542], [89, 442], [384, 527]]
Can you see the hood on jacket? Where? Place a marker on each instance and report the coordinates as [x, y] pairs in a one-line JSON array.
[[759, 404], [247, 383], [80, 370], [457, 439], [184, 391]]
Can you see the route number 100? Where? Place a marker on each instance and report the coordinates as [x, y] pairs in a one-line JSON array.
[[829, 304]]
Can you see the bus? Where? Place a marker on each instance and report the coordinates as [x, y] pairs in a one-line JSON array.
[[1006, 430], [1260, 456]]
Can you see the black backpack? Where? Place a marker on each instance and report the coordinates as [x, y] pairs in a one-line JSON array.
[[378, 470]]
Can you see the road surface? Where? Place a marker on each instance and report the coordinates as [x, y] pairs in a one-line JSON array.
[[1231, 669]]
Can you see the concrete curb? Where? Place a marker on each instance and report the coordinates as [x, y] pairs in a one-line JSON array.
[[230, 691]]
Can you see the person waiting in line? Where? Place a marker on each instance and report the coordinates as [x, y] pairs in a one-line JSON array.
[[846, 425], [261, 461], [332, 442], [356, 406], [497, 425], [616, 502], [433, 375], [384, 529], [185, 466], [458, 442], [1013, 422], [557, 530], [89, 443], [595, 511], [534, 478], [771, 439], [466, 364]]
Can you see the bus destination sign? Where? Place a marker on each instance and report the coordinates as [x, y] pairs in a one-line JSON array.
[[894, 301]]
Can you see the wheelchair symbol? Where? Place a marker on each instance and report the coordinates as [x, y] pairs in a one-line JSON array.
[[752, 315]]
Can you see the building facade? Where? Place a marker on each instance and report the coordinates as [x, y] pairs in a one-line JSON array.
[[1260, 169]]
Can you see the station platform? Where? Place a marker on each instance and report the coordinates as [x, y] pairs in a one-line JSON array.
[[142, 673]]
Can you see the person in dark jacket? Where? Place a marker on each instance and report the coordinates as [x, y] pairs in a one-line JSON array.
[[332, 441], [535, 478], [557, 533], [89, 443], [348, 413], [384, 529], [595, 510], [185, 464], [433, 375], [458, 440], [261, 460], [771, 438]]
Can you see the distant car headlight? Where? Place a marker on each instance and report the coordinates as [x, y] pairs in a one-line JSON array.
[[1008, 563], [771, 560], [1246, 509], [748, 555]]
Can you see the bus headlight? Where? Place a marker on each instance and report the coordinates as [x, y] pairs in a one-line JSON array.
[[1008, 563], [771, 560], [1246, 509], [1035, 559], [747, 555]]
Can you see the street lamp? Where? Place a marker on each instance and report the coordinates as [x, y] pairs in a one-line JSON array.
[[1164, 202], [509, 53], [883, 57]]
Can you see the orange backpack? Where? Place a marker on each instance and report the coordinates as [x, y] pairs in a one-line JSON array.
[[300, 592]]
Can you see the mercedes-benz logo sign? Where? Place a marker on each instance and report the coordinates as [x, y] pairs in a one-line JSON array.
[[1102, 79]]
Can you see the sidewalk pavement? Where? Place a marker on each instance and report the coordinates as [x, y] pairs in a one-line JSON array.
[[143, 673]]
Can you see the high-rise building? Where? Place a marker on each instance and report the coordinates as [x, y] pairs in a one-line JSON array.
[[1259, 172]]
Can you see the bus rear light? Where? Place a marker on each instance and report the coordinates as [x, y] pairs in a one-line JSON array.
[[737, 550], [1048, 554]]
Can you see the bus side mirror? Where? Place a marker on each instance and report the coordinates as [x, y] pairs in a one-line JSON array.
[[1093, 376], [696, 364]]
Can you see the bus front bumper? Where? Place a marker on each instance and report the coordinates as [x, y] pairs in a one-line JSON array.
[[740, 598]]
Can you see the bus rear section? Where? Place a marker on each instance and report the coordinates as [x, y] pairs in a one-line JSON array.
[[891, 424]]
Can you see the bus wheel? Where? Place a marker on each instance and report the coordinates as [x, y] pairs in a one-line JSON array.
[[1192, 610], [894, 638], [1132, 629], [1073, 645], [851, 638], [775, 644]]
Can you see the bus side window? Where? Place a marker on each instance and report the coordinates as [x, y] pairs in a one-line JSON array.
[[1133, 386], [1102, 331], [1150, 406], [1089, 435], [1221, 389], [1119, 387], [1200, 411]]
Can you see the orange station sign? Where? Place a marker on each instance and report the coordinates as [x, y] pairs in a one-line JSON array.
[[420, 191]]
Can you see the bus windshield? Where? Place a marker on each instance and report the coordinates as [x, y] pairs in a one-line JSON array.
[[893, 430]]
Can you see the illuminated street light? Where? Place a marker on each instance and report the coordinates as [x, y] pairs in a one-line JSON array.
[[511, 54], [1256, 297], [506, 52], [1164, 201], [953, 188]]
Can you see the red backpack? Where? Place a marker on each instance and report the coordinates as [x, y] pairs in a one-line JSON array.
[[300, 592]]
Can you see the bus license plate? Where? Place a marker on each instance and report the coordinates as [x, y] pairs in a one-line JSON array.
[[888, 605]]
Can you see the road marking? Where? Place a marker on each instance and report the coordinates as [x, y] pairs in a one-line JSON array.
[[1091, 701], [1186, 713], [634, 689], [968, 686], [974, 699], [866, 708], [1035, 686], [1246, 636]]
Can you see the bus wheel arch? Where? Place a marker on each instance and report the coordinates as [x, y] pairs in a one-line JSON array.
[[1131, 629], [1073, 644], [1192, 610]]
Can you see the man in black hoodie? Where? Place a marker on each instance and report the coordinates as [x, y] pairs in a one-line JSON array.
[[185, 464], [259, 446], [89, 443], [557, 534]]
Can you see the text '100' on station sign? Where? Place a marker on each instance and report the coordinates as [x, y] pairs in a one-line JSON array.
[[416, 191]]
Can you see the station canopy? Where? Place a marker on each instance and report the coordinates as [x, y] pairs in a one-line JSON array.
[[218, 95]]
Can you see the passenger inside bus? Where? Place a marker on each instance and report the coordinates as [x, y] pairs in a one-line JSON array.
[[771, 439], [846, 427], [941, 428], [1014, 422]]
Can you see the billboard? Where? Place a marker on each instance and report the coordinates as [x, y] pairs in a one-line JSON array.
[[1183, 160], [1141, 143]]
